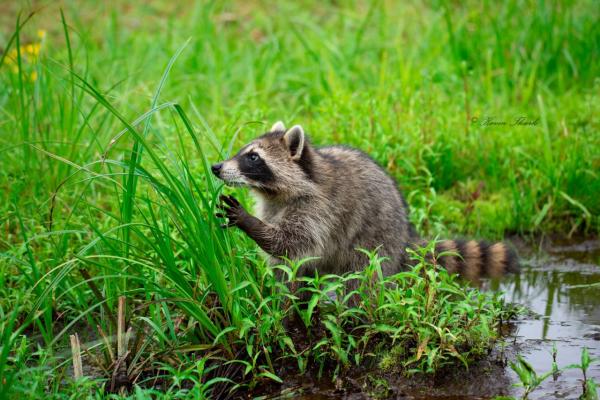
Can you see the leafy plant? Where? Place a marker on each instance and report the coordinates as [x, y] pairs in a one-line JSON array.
[[530, 379]]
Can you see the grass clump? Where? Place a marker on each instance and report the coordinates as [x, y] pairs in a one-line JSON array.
[[444, 323], [330, 324]]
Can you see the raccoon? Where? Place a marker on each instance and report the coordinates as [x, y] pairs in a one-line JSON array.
[[327, 202]]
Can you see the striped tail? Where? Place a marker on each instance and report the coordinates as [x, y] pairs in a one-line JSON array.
[[477, 258]]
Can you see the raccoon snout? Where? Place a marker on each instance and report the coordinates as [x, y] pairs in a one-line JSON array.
[[216, 169]]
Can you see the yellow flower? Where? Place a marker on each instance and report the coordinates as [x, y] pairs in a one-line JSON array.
[[33, 76], [32, 49], [29, 55], [41, 33]]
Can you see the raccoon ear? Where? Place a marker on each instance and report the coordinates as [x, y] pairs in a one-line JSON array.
[[294, 141], [278, 126]]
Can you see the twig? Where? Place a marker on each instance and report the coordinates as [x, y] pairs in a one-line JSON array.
[[76, 349]]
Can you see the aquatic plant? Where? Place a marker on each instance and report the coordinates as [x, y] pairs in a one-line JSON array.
[[531, 380]]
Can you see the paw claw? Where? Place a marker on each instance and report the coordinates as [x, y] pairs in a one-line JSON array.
[[231, 209]]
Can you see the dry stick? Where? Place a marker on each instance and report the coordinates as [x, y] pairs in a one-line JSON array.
[[121, 345], [121, 367], [76, 349]]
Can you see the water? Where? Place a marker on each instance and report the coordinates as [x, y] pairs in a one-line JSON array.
[[555, 285]]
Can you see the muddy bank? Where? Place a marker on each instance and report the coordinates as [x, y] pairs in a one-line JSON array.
[[559, 284]]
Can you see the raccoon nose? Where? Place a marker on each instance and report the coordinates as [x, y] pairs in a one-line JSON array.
[[216, 168]]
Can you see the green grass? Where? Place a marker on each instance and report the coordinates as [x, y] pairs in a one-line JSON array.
[[110, 118]]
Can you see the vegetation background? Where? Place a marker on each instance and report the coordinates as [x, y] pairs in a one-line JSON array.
[[101, 172]]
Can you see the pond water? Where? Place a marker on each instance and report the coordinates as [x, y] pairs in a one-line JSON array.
[[554, 285]]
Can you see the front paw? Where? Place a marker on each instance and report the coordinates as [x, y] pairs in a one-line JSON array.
[[232, 210]]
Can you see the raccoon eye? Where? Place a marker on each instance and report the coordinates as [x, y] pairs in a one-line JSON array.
[[253, 157]]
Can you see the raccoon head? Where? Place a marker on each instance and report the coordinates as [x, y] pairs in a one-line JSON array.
[[278, 162]]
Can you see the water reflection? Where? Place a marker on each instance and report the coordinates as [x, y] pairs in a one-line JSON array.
[[562, 287], [555, 295]]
